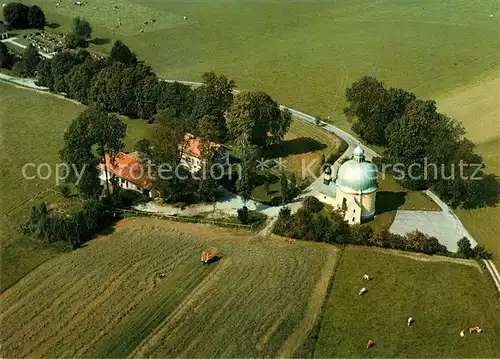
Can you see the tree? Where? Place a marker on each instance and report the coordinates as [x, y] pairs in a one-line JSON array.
[[211, 128], [207, 184], [167, 143], [147, 94], [81, 32], [93, 128], [36, 17], [120, 52], [53, 73], [28, 65], [243, 214], [245, 182], [255, 114], [464, 248], [422, 134], [285, 188], [176, 98], [312, 204], [6, 59], [16, 15], [79, 79]]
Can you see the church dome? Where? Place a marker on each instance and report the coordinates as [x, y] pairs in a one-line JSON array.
[[357, 177]]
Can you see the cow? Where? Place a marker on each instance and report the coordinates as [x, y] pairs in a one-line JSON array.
[[362, 291], [410, 320], [366, 276], [369, 344]]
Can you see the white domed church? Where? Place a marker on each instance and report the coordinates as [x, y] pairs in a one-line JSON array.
[[354, 188]]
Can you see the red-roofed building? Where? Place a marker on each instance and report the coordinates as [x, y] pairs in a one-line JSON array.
[[130, 172], [191, 152]]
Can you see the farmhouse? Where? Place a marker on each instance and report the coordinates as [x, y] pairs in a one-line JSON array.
[[130, 174], [3, 31], [191, 152], [353, 190]]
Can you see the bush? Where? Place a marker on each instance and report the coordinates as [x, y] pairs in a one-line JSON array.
[[312, 204], [480, 252], [243, 215], [464, 248], [20, 16], [65, 190]]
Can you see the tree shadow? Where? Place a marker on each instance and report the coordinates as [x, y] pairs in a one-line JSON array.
[[100, 41], [389, 201], [53, 25], [294, 147]]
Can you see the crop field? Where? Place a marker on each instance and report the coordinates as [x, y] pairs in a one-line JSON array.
[[109, 299], [32, 128], [142, 291]]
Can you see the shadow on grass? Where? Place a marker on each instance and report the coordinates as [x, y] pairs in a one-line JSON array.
[[389, 201], [100, 41], [294, 147], [53, 25]]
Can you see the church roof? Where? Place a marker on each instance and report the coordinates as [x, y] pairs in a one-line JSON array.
[[357, 177]]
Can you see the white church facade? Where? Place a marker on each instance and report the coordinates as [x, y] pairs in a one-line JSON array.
[[354, 189]]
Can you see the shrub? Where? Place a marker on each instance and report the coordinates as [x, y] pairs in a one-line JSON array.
[[312, 204], [65, 190], [480, 252], [464, 248], [243, 214]]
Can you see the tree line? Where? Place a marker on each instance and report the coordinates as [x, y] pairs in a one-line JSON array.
[[312, 223], [414, 133]]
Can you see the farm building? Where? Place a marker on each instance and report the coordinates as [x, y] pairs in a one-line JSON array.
[[191, 152], [130, 173], [354, 189]]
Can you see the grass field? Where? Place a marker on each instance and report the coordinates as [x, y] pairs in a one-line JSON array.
[[32, 127], [442, 297], [108, 299], [304, 53]]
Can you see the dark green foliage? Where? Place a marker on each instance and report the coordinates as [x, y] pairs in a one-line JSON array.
[[93, 131], [312, 204], [54, 73], [28, 65], [6, 58], [81, 33], [317, 226], [65, 190], [36, 18], [255, 115], [243, 214], [147, 95], [176, 98], [246, 180], [480, 252], [75, 229], [79, 79], [464, 248], [16, 15], [121, 53], [374, 107], [207, 185]]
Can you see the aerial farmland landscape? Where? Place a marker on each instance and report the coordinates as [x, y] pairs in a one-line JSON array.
[[334, 165]]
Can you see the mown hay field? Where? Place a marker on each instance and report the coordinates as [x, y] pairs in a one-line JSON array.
[[142, 291], [109, 299]]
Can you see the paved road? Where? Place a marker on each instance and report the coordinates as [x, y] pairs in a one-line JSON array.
[[231, 201]]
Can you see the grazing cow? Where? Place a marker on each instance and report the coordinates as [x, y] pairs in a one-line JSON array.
[[366, 276], [210, 255], [410, 320], [475, 330], [362, 291], [369, 344], [462, 333], [185, 18]]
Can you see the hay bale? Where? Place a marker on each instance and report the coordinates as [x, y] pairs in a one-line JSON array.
[[209, 255]]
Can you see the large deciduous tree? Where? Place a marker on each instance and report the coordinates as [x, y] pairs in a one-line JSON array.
[[6, 59], [258, 117], [36, 17], [80, 34], [89, 137], [16, 15], [28, 65]]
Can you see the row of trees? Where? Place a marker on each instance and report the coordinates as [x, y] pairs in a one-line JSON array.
[[313, 224], [417, 136], [20, 16], [74, 229]]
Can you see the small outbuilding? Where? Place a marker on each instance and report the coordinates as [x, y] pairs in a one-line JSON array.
[[4, 34]]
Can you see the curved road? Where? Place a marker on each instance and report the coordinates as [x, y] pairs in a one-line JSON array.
[[235, 201]]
